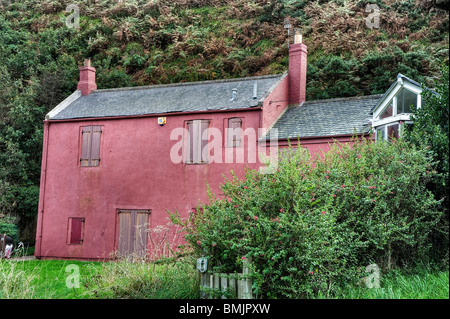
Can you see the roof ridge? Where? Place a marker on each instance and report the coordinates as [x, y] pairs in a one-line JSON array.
[[155, 86], [351, 98]]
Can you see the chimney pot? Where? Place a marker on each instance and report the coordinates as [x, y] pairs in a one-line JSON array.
[[297, 38]]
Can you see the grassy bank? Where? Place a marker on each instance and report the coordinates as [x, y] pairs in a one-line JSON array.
[[68, 279]]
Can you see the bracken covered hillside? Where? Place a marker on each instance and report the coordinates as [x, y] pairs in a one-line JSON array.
[[132, 42], [145, 42]]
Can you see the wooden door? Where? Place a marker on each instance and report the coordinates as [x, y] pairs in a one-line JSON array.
[[133, 232]]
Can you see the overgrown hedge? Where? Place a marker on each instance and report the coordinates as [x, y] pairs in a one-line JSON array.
[[318, 223]]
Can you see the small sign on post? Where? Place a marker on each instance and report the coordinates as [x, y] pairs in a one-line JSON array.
[[225, 285], [202, 264]]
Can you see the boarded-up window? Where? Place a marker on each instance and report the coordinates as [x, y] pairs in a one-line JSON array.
[[75, 230], [234, 132], [197, 146], [90, 145], [133, 232]]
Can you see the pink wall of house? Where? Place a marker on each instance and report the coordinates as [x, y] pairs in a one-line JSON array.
[[320, 145], [135, 172]]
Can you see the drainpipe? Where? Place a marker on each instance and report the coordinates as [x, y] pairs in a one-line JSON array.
[[39, 226]]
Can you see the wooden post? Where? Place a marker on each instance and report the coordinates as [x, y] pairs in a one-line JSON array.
[[204, 282], [223, 284], [232, 284], [216, 283], [239, 289], [211, 285], [246, 282]]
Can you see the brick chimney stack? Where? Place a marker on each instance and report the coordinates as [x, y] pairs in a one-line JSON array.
[[297, 70], [87, 78]]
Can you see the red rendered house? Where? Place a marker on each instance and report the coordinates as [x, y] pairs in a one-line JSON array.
[[115, 160]]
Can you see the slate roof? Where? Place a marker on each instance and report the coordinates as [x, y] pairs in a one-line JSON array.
[[156, 99], [327, 117]]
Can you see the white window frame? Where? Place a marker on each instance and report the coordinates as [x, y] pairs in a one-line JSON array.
[[396, 118], [384, 127]]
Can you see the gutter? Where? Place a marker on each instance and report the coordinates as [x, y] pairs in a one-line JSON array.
[[122, 117], [311, 139]]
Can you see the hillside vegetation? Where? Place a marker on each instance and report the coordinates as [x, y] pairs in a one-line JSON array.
[[132, 42]]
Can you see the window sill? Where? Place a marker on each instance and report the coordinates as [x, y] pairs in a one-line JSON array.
[[392, 119], [196, 163]]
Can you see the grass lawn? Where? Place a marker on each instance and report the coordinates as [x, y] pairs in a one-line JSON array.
[[417, 284], [70, 279]]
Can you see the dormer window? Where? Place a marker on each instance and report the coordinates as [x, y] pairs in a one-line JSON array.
[[388, 111], [406, 101], [395, 108]]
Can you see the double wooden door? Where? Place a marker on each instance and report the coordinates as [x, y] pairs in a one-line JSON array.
[[133, 232]]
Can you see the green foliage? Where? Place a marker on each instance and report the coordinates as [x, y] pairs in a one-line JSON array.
[[431, 128], [317, 223], [431, 123], [114, 78], [9, 228], [330, 76]]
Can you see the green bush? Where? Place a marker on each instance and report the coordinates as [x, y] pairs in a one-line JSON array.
[[431, 127], [317, 223]]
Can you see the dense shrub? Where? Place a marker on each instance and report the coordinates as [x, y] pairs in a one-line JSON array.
[[431, 126], [317, 223]]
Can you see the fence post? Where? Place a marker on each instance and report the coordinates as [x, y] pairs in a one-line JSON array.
[[204, 282], [223, 284], [216, 283], [232, 284], [246, 282], [211, 285]]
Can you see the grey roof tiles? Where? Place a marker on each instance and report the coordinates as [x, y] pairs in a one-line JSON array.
[[326, 117], [181, 97], [310, 119]]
